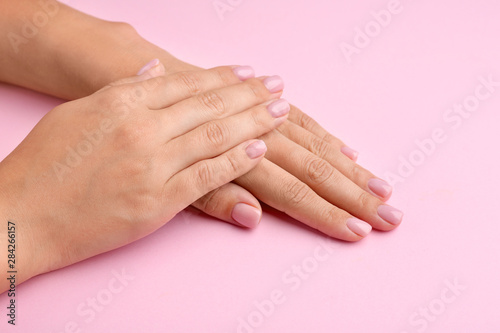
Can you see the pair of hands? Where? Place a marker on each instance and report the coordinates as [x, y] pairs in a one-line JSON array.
[[102, 171]]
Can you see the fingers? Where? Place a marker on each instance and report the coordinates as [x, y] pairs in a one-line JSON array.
[[359, 175], [303, 120], [220, 103], [207, 175], [233, 204], [330, 183], [299, 201], [216, 137], [306, 122], [166, 91]]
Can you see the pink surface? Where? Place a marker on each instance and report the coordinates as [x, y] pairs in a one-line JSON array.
[[439, 272]]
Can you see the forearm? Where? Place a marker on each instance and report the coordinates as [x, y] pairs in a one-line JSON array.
[[69, 54]]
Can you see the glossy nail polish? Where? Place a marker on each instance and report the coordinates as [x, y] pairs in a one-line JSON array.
[[380, 187], [359, 227], [244, 72], [390, 214], [246, 215], [349, 152], [274, 83], [148, 66], [279, 108], [256, 149]]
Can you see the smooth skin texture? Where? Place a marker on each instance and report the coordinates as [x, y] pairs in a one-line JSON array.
[[309, 174], [102, 171]]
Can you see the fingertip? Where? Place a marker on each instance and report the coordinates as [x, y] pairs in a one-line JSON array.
[[358, 227], [256, 149], [246, 215], [152, 69], [243, 72], [349, 152]]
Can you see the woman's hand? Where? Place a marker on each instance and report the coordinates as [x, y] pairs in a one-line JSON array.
[[309, 174], [102, 171]]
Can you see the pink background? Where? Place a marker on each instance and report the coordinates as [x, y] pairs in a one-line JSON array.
[[200, 275]]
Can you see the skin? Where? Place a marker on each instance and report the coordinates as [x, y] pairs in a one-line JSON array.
[[137, 173], [305, 174]]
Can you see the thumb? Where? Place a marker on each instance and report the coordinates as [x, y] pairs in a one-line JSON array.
[[233, 204]]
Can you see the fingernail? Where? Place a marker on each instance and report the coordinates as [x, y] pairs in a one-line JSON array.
[[148, 66], [390, 214], [244, 72], [256, 149], [274, 83], [349, 152], [246, 215], [380, 187], [359, 227], [279, 108]]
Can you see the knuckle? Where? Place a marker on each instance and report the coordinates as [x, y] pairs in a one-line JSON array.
[[329, 215], [211, 203], [303, 120], [364, 199], [188, 81], [257, 120], [213, 102], [357, 174], [204, 175], [134, 133], [318, 147], [216, 133], [327, 137], [256, 89], [318, 170], [232, 168], [295, 192], [225, 76]]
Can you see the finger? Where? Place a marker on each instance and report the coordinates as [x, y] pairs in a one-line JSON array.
[[168, 90], [330, 183], [233, 204], [207, 175], [215, 137], [359, 175], [216, 104], [303, 120], [296, 199]]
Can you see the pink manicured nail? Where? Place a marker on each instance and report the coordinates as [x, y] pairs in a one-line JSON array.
[[274, 83], [390, 214], [148, 66], [256, 149], [349, 152], [279, 108], [246, 215], [244, 72], [380, 187], [359, 227]]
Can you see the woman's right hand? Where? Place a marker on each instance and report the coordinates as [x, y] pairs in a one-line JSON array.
[[102, 171]]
